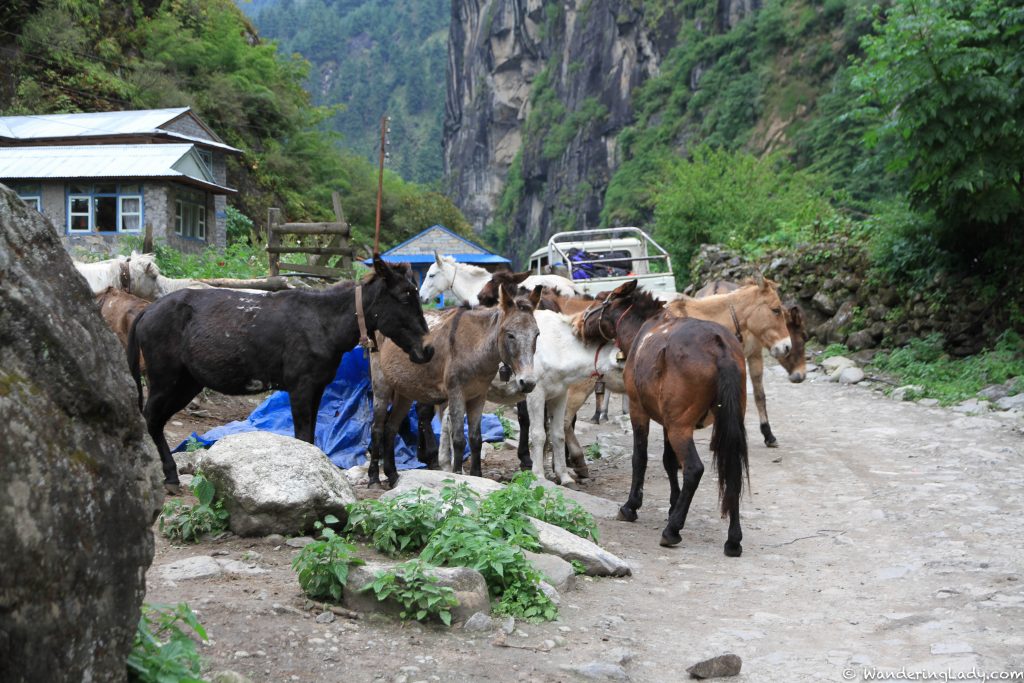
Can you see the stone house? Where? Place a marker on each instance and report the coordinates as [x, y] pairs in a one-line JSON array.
[[100, 176]]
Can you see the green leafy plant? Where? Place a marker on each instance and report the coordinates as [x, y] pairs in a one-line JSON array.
[[419, 594], [578, 567], [520, 497], [188, 523], [834, 350], [593, 451], [323, 565], [193, 444], [401, 524], [164, 650], [506, 424]]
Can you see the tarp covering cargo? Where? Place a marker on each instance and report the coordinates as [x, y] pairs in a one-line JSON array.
[[343, 422]]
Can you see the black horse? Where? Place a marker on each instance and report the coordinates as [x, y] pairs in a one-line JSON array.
[[242, 343]]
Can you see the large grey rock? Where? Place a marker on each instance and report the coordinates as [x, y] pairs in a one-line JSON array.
[[1015, 402], [851, 376], [80, 483], [836, 364], [469, 586], [596, 560], [601, 508], [190, 569], [560, 573], [275, 484]]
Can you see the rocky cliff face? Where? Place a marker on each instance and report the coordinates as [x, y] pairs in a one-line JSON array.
[[537, 95], [563, 72]]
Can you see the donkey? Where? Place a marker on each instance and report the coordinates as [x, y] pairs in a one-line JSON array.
[[120, 309], [240, 343], [795, 362], [561, 292], [684, 373], [447, 276], [470, 345]]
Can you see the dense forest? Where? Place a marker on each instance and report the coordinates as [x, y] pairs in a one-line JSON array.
[[369, 57], [88, 55]]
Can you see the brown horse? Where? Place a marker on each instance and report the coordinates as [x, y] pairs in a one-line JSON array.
[[120, 309], [469, 344], [795, 362], [684, 373]]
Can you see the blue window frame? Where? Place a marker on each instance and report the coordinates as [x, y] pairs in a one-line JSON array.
[[104, 207], [31, 194]]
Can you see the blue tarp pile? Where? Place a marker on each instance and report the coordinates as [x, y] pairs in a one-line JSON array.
[[343, 422]]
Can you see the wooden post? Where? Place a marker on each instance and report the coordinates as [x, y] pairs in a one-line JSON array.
[[273, 240], [147, 241], [342, 240]]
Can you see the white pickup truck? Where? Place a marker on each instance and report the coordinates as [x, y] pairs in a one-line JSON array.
[[600, 260]]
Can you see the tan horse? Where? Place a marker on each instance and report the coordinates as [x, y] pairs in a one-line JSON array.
[[470, 345], [795, 362]]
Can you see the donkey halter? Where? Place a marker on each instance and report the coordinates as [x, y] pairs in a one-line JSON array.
[[600, 328], [367, 342]]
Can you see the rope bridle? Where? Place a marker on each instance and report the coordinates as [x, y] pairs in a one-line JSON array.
[[736, 322], [600, 329], [368, 343]]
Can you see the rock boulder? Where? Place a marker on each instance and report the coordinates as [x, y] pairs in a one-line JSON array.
[[80, 482], [273, 484]]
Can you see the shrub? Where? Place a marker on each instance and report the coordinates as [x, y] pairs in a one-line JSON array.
[[163, 650], [188, 523], [416, 591], [323, 565]]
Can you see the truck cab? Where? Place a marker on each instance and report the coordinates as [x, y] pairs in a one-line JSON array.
[[600, 260]]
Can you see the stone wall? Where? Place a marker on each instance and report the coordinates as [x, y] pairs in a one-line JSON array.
[[842, 305]]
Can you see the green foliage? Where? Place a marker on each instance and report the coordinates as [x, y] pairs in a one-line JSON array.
[[323, 565], [507, 429], [734, 198], [164, 650], [237, 260], [944, 80], [398, 525], [578, 567], [593, 451], [924, 363], [192, 444], [834, 350], [189, 523], [550, 505], [239, 226], [416, 591]]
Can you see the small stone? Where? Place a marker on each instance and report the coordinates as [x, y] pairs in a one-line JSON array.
[[716, 667], [274, 539], [851, 376], [619, 655], [600, 671], [220, 553], [548, 644], [299, 541], [190, 568], [228, 677], [325, 618], [479, 622], [560, 641], [928, 402], [508, 625], [564, 629], [241, 654]]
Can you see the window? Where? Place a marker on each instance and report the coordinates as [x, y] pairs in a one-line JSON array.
[[30, 194], [207, 158], [190, 214], [106, 207]]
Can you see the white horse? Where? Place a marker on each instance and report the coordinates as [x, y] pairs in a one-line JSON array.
[[447, 276], [136, 274], [561, 359]]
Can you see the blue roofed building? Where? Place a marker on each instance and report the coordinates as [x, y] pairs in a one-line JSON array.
[[419, 250], [99, 176]]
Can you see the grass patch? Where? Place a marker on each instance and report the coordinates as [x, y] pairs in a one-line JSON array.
[[952, 380]]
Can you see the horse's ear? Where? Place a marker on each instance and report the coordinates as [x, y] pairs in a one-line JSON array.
[[535, 296], [437, 259], [382, 269], [519, 278], [625, 289], [759, 280], [796, 316], [506, 296]]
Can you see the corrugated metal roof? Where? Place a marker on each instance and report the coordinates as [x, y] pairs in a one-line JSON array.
[[105, 161], [93, 124]]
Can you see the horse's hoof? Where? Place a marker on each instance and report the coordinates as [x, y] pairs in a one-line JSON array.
[[596, 420], [733, 549], [670, 538], [572, 485], [526, 466], [626, 514], [374, 486], [581, 472], [172, 489], [771, 444]]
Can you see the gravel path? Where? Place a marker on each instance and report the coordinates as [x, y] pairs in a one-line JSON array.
[[879, 535]]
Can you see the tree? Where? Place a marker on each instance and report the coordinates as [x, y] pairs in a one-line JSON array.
[[945, 77]]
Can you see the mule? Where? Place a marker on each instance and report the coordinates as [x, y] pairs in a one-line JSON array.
[[240, 343], [447, 276], [684, 373], [561, 292], [470, 345], [794, 362], [120, 309]]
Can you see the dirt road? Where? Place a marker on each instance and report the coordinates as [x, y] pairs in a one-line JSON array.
[[880, 535]]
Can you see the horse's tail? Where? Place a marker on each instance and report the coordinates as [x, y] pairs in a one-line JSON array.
[[133, 356], [729, 436]]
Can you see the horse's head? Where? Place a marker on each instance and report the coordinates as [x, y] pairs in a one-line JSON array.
[[144, 273], [767, 318], [618, 315], [517, 334], [396, 310], [795, 362], [488, 294], [439, 278]]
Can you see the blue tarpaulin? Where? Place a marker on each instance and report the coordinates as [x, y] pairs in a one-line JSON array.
[[343, 422]]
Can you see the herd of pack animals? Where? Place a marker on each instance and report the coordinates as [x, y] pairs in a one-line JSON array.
[[522, 339]]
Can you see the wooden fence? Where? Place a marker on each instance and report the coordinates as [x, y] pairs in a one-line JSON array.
[[338, 247]]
